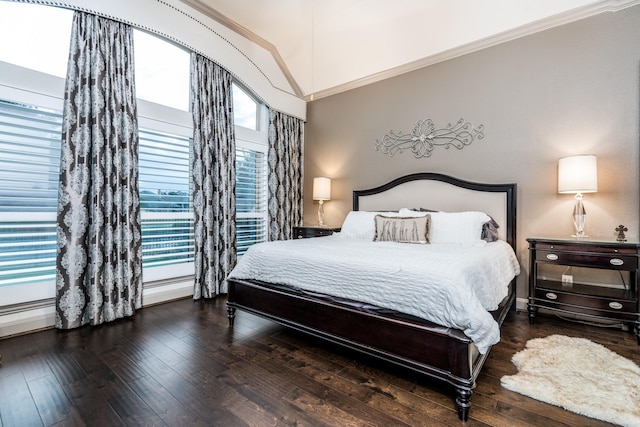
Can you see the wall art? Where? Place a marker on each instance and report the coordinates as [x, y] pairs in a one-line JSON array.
[[425, 136]]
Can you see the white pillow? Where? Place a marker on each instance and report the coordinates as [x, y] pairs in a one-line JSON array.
[[457, 227], [361, 224], [410, 213]]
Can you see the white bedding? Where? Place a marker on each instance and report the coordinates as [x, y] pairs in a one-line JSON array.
[[448, 284]]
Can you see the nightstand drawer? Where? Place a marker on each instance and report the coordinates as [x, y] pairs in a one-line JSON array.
[[588, 304], [588, 259], [601, 249]]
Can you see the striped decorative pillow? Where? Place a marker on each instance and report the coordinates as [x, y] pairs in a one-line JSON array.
[[402, 229]]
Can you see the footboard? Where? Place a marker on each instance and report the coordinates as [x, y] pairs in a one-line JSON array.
[[443, 353]]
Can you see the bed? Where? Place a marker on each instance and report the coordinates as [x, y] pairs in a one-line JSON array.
[[433, 348]]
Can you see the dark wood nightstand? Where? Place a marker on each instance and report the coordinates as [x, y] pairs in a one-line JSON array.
[[597, 300], [313, 231]]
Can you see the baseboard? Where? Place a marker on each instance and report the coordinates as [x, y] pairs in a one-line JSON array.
[[31, 319], [521, 304], [169, 292]]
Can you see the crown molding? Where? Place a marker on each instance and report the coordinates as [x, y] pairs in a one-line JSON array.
[[513, 34]]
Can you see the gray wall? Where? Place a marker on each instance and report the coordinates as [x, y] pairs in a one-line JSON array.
[[568, 90]]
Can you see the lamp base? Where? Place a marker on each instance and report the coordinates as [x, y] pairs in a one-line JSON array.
[[579, 217], [321, 213]]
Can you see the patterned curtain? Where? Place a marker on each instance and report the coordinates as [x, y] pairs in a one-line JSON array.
[[99, 253], [285, 174], [214, 176]]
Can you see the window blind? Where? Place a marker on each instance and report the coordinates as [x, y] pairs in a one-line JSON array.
[[29, 169], [166, 210], [251, 212], [29, 165]]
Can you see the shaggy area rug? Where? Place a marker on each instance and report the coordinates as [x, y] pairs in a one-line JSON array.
[[580, 376]]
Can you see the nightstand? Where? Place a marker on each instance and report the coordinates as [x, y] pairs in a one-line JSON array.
[[313, 231], [596, 300]]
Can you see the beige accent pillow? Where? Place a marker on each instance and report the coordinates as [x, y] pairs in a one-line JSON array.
[[402, 229]]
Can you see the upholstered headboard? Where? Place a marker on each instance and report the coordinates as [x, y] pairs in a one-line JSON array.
[[444, 193]]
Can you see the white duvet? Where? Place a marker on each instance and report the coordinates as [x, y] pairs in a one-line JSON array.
[[448, 284]]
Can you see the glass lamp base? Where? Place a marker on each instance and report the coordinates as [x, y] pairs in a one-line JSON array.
[[321, 214], [579, 217]]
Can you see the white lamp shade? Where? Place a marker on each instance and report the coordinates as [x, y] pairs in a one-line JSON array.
[[321, 188], [578, 174]]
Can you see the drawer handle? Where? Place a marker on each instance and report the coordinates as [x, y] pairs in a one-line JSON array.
[[615, 305], [552, 257], [616, 261], [551, 295]]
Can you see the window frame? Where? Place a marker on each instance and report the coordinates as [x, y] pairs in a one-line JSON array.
[[161, 118], [30, 87], [257, 141], [27, 86]]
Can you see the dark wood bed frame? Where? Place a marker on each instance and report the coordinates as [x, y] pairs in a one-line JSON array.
[[433, 350]]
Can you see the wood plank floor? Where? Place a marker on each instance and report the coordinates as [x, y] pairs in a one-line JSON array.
[[178, 364]]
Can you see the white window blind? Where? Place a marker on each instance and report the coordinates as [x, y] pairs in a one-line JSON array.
[[29, 169], [251, 187], [29, 165], [166, 210]]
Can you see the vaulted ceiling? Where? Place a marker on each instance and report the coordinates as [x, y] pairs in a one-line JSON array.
[[328, 46]]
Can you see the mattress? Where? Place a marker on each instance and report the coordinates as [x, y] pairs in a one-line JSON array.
[[451, 285]]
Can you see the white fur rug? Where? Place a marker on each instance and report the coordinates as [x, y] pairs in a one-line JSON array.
[[580, 376]]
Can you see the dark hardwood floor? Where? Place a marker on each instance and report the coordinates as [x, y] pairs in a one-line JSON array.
[[179, 364]]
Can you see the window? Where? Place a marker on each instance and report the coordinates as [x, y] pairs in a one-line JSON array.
[[165, 204], [29, 164], [30, 135], [245, 109], [251, 170], [162, 71], [251, 187], [166, 128], [31, 87], [31, 68], [39, 36]]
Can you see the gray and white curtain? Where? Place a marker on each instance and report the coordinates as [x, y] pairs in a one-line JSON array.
[[285, 174], [214, 176], [99, 253]]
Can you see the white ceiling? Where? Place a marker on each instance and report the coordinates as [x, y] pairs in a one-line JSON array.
[[327, 46]]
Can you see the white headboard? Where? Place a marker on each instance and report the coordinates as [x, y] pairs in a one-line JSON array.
[[444, 193]]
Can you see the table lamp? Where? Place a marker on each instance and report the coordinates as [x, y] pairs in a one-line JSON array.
[[321, 192], [578, 174]]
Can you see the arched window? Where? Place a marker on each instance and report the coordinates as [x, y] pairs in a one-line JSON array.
[[245, 109], [35, 37], [162, 71], [31, 91]]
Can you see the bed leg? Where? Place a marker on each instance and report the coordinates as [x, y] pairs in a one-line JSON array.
[[532, 313], [231, 314], [463, 402]]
